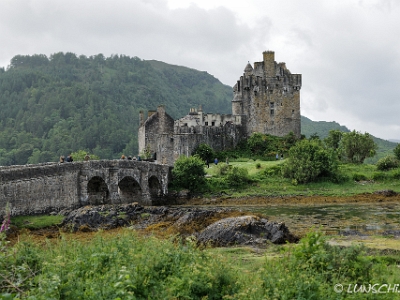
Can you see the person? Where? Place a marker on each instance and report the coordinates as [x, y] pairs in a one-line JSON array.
[[69, 158], [227, 160], [87, 157], [216, 161], [122, 156], [207, 163], [62, 158], [129, 157], [277, 156], [282, 156]]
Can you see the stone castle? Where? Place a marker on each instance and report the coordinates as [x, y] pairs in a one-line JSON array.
[[266, 99]]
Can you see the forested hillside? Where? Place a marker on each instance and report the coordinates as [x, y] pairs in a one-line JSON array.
[[51, 106]]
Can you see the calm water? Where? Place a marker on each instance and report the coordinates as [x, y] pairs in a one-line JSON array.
[[346, 219]]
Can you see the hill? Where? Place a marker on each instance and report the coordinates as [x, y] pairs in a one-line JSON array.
[[51, 106], [322, 128]]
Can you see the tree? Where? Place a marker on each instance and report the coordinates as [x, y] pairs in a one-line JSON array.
[[356, 147], [205, 152], [309, 160], [333, 139], [188, 173], [396, 151]]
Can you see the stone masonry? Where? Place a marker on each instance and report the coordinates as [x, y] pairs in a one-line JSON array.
[[36, 189], [266, 99]]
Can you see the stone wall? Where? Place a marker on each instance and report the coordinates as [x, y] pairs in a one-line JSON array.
[[37, 189]]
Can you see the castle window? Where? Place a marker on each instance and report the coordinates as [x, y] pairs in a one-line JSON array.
[[272, 105], [272, 112], [185, 124], [258, 104], [212, 123], [206, 123]]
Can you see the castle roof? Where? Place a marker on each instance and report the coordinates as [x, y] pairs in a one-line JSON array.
[[249, 68]]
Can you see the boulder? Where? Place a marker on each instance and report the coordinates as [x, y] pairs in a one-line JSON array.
[[245, 230]]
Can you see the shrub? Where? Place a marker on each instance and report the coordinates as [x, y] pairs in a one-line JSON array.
[[379, 176], [386, 163], [359, 177], [205, 152], [312, 268], [222, 169], [258, 165], [273, 170], [188, 173], [396, 174], [308, 160], [237, 177], [396, 151]]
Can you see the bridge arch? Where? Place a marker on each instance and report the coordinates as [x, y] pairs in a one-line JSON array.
[[129, 190], [155, 188], [97, 191]]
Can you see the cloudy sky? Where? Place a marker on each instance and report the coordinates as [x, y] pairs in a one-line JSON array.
[[348, 51]]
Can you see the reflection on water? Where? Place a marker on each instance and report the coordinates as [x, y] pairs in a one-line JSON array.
[[348, 219]]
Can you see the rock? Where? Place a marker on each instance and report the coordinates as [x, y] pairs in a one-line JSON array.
[[92, 218], [245, 230], [386, 193]]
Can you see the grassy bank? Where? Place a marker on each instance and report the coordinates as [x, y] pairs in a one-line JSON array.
[[265, 179], [128, 266]]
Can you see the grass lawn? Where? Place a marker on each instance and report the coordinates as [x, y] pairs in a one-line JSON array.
[[266, 180]]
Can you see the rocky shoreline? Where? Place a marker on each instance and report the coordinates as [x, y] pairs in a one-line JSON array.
[[212, 226]]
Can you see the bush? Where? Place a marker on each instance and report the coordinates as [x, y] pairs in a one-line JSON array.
[[237, 177], [313, 268], [188, 173], [273, 171], [396, 151], [396, 174], [359, 177], [222, 169], [386, 163], [379, 176], [309, 160], [205, 152]]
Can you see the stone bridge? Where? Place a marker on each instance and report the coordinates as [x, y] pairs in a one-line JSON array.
[[35, 189]]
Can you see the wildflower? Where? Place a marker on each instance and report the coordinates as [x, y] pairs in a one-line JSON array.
[[7, 217]]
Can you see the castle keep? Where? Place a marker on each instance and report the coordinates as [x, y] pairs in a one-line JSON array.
[[266, 99]]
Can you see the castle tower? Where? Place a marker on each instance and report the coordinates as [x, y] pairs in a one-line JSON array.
[[268, 98]]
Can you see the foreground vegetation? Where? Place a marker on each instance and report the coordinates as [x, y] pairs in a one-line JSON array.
[[128, 266]]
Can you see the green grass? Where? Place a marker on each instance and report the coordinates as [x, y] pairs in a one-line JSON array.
[[267, 181], [127, 266], [36, 222]]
